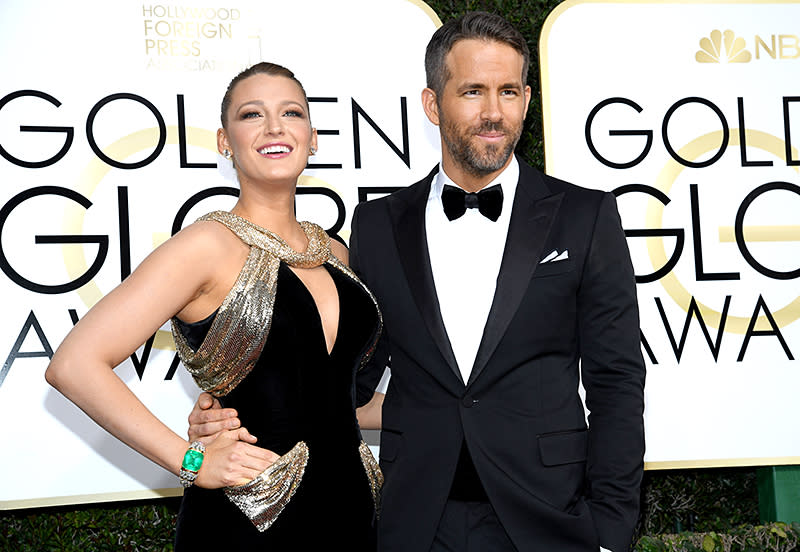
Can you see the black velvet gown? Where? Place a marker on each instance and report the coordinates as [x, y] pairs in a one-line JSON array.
[[297, 391]]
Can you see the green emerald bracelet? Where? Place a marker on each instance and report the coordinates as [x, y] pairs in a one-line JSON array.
[[192, 461]]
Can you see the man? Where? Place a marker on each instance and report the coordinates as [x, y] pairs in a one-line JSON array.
[[495, 305]]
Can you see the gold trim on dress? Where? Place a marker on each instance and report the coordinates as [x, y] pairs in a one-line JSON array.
[[335, 262], [264, 498], [374, 474]]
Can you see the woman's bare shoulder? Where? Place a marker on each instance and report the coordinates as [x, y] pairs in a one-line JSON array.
[[209, 238]]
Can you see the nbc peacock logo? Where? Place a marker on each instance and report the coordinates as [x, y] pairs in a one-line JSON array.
[[722, 47]]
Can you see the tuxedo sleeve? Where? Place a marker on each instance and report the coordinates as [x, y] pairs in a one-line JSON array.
[[613, 375], [369, 376]]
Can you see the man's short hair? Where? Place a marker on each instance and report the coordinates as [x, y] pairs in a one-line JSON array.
[[473, 25]]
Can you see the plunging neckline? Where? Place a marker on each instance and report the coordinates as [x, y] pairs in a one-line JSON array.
[[319, 319]]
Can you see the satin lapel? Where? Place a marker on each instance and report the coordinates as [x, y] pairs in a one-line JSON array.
[[532, 216], [408, 220]]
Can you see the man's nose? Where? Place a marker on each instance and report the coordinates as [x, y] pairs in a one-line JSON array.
[[491, 108]]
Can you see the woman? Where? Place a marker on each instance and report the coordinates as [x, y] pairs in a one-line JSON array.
[[270, 322]]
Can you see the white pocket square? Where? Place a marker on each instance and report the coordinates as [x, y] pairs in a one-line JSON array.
[[555, 256]]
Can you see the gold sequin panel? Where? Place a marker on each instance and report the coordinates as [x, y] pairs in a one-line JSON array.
[[238, 333], [264, 498], [374, 474]]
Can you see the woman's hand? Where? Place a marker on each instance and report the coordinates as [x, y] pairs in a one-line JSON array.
[[230, 461]]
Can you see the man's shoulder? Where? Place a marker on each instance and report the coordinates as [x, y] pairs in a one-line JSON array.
[[573, 194], [557, 185]]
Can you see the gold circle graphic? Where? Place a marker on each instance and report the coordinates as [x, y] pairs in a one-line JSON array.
[[655, 214]]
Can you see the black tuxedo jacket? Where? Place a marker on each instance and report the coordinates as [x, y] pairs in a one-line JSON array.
[[556, 486]]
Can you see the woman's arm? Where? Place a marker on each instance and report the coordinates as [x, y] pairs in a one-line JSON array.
[[182, 276], [369, 415]]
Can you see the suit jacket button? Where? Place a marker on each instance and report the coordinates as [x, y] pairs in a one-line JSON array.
[[468, 402]]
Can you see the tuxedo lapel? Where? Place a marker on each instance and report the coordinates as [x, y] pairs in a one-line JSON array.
[[532, 215], [408, 221]]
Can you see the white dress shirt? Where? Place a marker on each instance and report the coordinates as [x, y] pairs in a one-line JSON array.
[[465, 260]]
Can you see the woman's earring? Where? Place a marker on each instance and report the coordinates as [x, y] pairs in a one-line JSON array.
[[227, 154], [312, 150]]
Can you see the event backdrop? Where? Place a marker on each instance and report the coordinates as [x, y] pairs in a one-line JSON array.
[[687, 110], [690, 112], [108, 115]]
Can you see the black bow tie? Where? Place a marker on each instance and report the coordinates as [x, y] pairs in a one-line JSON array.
[[488, 201]]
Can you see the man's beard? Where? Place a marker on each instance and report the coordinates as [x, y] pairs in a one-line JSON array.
[[469, 158]]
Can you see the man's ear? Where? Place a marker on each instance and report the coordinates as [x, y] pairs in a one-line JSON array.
[[430, 105]]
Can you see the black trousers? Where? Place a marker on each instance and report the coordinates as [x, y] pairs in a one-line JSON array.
[[470, 527]]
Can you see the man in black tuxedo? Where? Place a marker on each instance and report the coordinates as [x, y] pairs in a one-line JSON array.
[[495, 304], [501, 288]]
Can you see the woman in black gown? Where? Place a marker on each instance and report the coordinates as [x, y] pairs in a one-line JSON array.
[[269, 319]]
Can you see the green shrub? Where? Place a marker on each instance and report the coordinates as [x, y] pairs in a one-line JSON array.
[[698, 500], [122, 526], [775, 537]]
